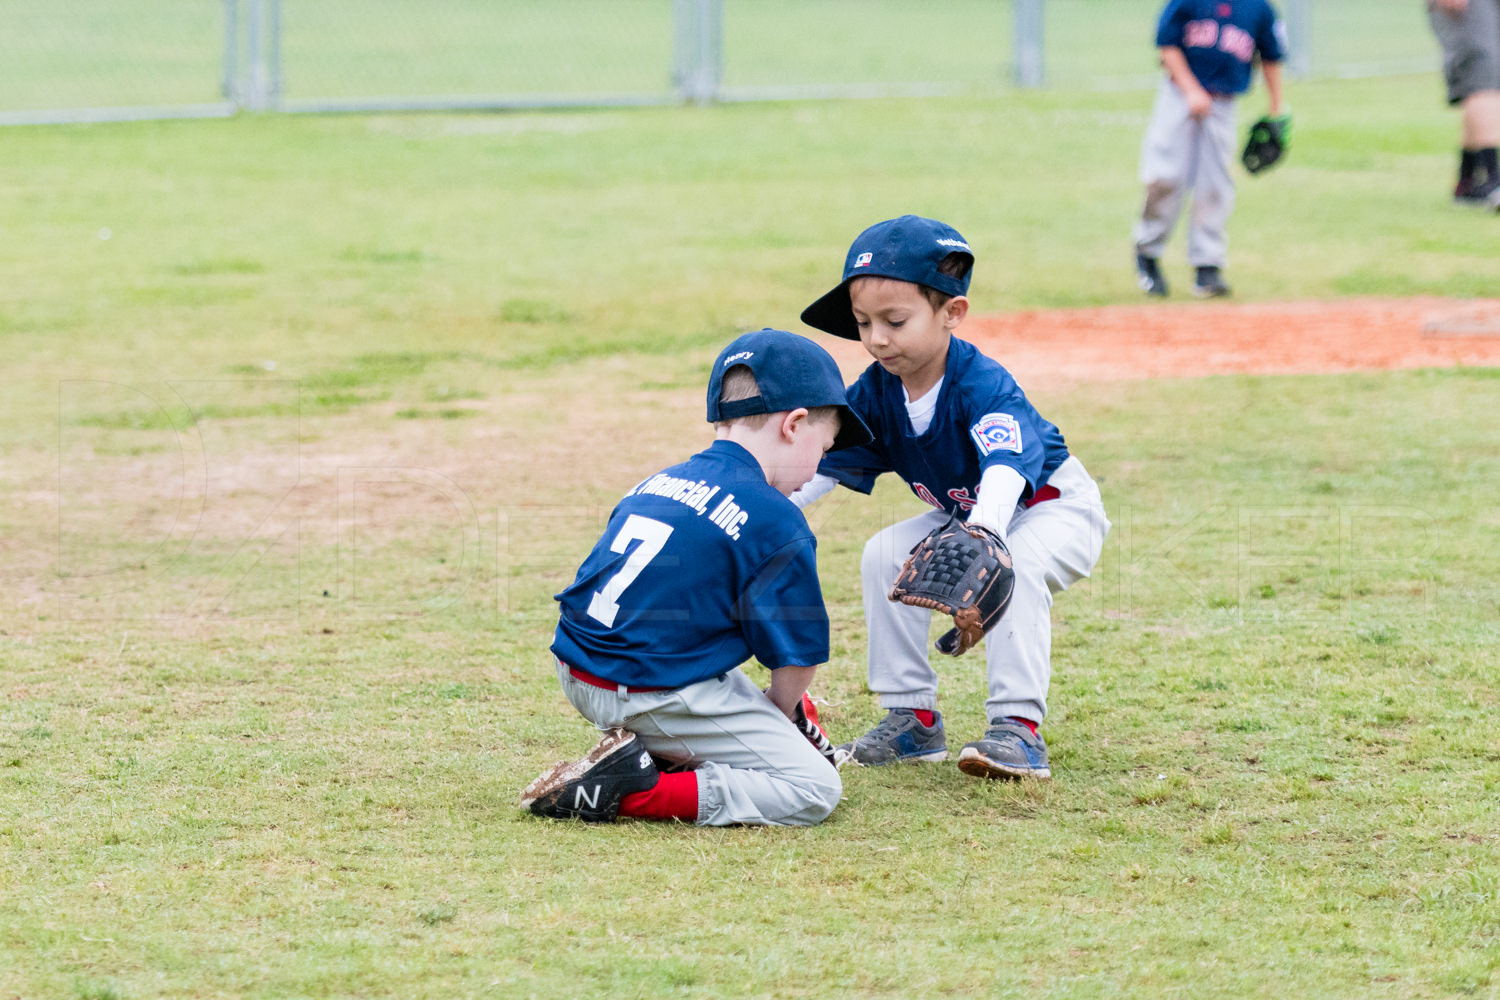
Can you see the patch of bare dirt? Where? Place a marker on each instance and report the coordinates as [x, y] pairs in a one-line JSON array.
[[1068, 346], [547, 455]]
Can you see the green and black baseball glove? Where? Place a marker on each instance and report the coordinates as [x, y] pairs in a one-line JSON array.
[[1267, 144]]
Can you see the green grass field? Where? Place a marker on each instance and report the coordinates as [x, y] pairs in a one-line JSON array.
[[306, 419]]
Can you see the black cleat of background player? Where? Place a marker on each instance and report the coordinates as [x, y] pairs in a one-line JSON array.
[[1148, 276]]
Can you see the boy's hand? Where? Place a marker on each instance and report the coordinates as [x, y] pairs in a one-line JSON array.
[[1199, 103], [804, 716], [1198, 100]]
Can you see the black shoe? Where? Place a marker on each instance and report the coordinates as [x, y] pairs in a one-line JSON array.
[[1209, 284], [1148, 276], [591, 789], [1485, 195]]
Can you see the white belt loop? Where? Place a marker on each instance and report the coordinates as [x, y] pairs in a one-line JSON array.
[[623, 692]]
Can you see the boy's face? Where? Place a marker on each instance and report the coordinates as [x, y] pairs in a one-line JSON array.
[[901, 330], [805, 448]]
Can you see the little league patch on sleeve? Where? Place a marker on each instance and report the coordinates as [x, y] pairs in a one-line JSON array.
[[996, 432]]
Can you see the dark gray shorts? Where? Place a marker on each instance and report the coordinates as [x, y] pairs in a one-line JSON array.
[[1471, 47]]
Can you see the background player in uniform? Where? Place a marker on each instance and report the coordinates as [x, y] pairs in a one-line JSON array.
[[955, 425], [1469, 31], [701, 567], [1207, 48]]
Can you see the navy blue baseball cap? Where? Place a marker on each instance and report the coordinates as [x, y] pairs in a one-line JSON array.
[[791, 372], [909, 249]]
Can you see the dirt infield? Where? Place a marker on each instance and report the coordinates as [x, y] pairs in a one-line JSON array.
[[1069, 346], [131, 498]]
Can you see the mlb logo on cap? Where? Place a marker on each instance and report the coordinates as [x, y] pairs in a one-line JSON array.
[[909, 248]]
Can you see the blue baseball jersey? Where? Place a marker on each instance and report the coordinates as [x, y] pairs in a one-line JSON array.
[[1220, 39], [702, 566], [982, 419]]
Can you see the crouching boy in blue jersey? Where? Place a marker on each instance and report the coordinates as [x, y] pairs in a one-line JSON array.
[[956, 426], [701, 567]]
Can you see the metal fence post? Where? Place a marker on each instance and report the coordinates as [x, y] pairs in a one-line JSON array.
[[698, 49], [1030, 21], [253, 96], [258, 84], [1299, 38]]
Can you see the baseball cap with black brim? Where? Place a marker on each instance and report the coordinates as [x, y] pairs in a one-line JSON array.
[[791, 372], [909, 248]]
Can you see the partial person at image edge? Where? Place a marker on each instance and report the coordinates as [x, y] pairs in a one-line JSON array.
[[1469, 33]]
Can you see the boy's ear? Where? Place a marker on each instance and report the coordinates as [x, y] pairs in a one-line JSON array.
[[955, 310], [791, 422]]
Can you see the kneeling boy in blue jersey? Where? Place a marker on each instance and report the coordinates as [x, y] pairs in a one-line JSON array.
[[701, 567], [956, 426]]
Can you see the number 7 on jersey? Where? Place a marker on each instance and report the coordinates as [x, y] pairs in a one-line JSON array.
[[652, 535]]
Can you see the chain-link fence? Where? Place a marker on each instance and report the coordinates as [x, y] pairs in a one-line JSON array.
[[81, 60], [1109, 44], [352, 53]]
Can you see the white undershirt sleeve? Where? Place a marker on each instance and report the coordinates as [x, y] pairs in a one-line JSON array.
[[816, 488], [1000, 489]]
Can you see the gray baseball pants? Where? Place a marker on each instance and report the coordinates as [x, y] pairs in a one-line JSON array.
[[1182, 154], [1054, 545], [753, 766], [1471, 47]]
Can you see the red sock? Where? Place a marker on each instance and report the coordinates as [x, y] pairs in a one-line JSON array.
[[925, 716], [810, 710], [674, 796], [1025, 722]]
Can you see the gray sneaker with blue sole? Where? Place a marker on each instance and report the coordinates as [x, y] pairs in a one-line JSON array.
[[900, 736], [1008, 750]]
